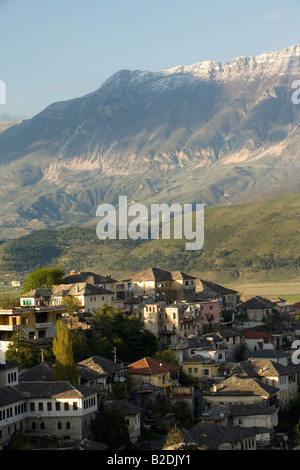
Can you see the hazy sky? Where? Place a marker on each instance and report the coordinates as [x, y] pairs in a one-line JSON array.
[[54, 50]]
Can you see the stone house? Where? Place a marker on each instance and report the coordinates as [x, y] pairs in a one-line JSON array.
[[256, 309], [60, 409], [90, 297], [162, 285], [284, 378]]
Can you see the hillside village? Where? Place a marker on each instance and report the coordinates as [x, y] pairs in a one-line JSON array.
[[233, 367]]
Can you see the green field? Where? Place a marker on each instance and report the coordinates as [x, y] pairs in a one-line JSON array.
[[247, 245]]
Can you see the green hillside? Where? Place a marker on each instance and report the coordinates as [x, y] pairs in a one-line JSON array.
[[254, 242]]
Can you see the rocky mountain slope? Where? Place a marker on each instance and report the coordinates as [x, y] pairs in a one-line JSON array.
[[209, 133]]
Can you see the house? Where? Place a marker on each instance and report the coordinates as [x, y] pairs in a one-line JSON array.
[[218, 437], [97, 280], [257, 340], [131, 413], [226, 339], [108, 372], [272, 373], [61, 409], [262, 419], [209, 311], [200, 367], [207, 290], [192, 345], [38, 322], [274, 355], [169, 322], [256, 309], [90, 297], [162, 285], [240, 389], [154, 372]]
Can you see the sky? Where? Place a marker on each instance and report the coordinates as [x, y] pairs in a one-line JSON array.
[[56, 50]]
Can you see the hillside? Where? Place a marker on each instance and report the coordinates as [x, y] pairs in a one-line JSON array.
[[210, 133], [253, 242]]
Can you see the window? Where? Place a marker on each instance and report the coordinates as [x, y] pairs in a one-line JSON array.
[[41, 406], [75, 406], [59, 426], [68, 425], [32, 406], [49, 406], [66, 406], [57, 406]]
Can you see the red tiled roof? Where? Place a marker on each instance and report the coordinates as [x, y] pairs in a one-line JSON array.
[[256, 335], [150, 366]]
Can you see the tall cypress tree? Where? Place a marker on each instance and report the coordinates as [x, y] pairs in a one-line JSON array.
[[65, 367]]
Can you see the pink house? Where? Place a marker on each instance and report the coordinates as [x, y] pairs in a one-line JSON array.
[[209, 311]]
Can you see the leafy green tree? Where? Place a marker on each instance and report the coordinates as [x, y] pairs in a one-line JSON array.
[[43, 278], [22, 353], [167, 356], [65, 367], [7, 301]]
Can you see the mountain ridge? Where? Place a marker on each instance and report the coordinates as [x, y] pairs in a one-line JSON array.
[[209, 133]]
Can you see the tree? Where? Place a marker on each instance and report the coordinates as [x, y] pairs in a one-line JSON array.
[[111, 429], [65, 368], [43, 278], [174, 437], [21, 353]]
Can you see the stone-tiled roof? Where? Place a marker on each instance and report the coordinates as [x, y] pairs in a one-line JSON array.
[[81, 288], [244, 386], [260, 367], [53, 389], [10, 395], [153, 274], [213, 288], [256, 302], [101, 365], [88, 277], [37, 293], [211, 436]]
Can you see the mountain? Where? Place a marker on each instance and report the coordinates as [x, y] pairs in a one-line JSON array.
[[252, 242], [210, 133]]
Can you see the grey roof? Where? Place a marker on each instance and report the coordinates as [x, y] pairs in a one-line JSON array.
[[38, 293], [8, 365], [268, 353], [53, 389], [89, 277], [260, 367], [10, 395], [101, 365], [237, 385], [80, 288], [40, 372], [232, 409], [213, 288], [45, 372], [153, 274], [211, 436], [256, 302]]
